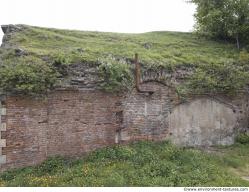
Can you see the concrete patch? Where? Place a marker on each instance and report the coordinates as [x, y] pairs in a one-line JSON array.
[[203, 122]]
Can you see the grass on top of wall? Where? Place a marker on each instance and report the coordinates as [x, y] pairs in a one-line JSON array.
[[215, 66], [140, 164]]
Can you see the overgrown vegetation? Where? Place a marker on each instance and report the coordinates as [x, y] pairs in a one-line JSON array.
[[224, 20], [214, 78], [140, 164], [27, 75], [116, 75], [243, 138], [217, 67]]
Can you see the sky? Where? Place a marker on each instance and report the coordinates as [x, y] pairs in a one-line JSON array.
[[127, 16]]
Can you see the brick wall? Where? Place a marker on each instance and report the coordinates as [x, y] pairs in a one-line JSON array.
[[200, 120], [145, 115], [26, 134], [72, 123], [67, 123], [81, 122]]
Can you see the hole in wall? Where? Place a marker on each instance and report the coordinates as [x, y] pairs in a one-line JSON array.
[[119, 117]]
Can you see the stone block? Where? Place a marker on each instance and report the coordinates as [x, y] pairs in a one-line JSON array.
[[124, 136], [2, 142], [3, 111], [2, 159], [3, 127]]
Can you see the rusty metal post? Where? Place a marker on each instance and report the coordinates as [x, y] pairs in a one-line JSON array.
[[138, 77], [137, 72]]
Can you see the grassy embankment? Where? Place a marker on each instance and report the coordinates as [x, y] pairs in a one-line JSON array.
[[216, 66]]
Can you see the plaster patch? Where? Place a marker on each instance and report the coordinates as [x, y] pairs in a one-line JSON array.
[[203, 122]]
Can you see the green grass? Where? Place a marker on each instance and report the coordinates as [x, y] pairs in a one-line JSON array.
[[140, 164], [154, 48], [214, 66]]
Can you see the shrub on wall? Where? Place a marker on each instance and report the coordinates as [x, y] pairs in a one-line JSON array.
[[27, 75], [243, 138], [116, 74], [215, 78]]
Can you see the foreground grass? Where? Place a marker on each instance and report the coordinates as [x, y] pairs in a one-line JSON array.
[[140, 164]]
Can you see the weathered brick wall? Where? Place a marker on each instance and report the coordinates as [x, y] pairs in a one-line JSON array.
[[66, 123], [145, 115], [200, 120], [26, 132], [72, 123], [81, 121]]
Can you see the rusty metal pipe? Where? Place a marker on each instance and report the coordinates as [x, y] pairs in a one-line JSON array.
[[138, 76], [137, 72]]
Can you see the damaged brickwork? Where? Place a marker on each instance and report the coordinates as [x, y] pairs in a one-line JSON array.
[[75, 122], [146, 115], [202, 120], [77, 117]]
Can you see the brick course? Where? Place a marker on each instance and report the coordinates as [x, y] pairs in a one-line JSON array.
[[68, 123], [72, 123], [145, 115]]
